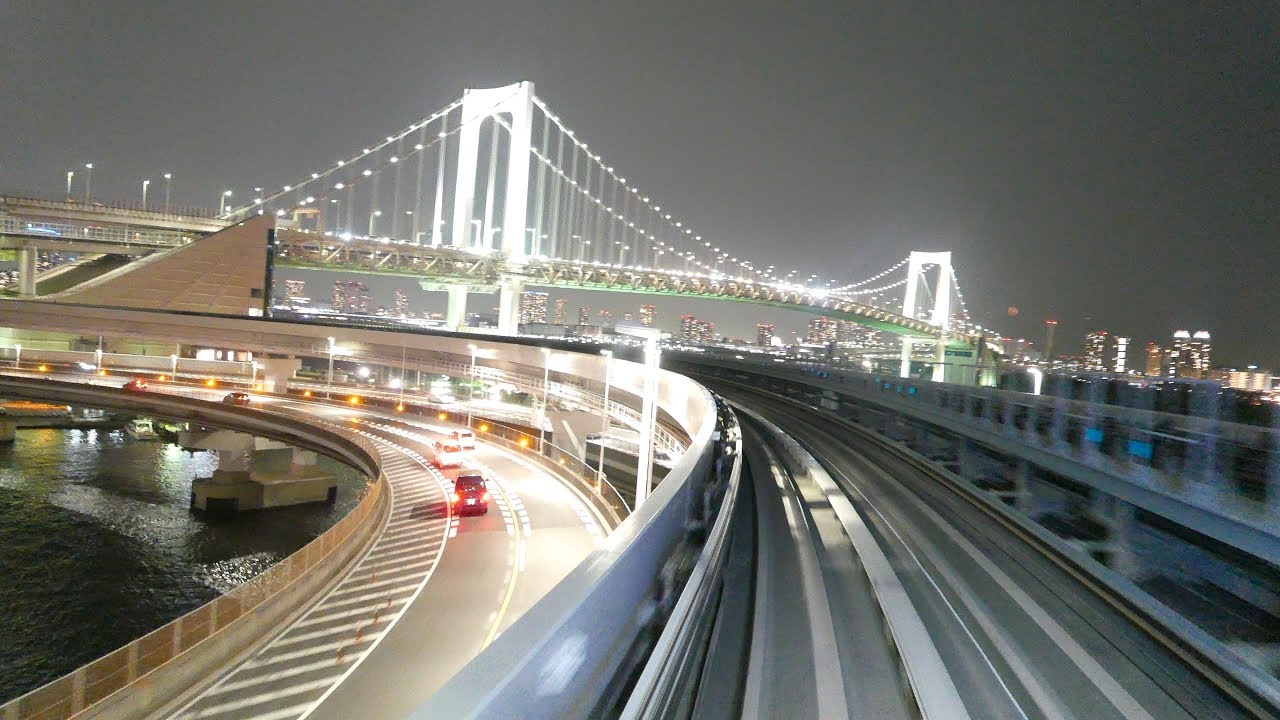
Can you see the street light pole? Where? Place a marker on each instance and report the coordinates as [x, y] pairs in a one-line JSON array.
[[17, 356], [145, 183], [476, 238], [403, 354], [88, 182], [167, 178], [546, 380], [604, 418], [173, 367], [70, 174], [471, 396], [372, 216], [328, 386], [222, 202]]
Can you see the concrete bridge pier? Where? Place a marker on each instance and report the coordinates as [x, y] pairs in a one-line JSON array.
[[456, 312], [276, 372], [236, 486], [8, 430], [27, 271], [509, 306]]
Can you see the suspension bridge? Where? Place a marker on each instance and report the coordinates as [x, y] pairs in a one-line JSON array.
[[493, 193]]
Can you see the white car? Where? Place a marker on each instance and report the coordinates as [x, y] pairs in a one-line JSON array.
[[447, 454], [464, 438]]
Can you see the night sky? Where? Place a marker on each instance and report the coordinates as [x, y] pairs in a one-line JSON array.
[[1115, 169]]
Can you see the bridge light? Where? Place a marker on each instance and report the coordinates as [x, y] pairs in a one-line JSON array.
[[338, 186], [367, 173], [315, 176], [287, 188], [306, 393], [341, 163], [389, 138], [418, 146], [395, 159]]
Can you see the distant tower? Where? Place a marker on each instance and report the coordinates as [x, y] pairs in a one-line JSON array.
[[1049, 327]]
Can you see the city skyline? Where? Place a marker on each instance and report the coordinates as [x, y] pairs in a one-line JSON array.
[[791, 326], [917, 147]]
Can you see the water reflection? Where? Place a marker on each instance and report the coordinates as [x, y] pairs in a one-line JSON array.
[[98, 545]]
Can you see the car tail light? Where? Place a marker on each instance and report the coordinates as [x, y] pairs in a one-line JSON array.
[[486, 496], [457, 498]]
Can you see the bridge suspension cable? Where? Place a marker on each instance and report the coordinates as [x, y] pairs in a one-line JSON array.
[[880, 275], [576, 207]]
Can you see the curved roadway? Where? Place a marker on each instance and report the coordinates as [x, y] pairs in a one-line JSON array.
[[430, 592]]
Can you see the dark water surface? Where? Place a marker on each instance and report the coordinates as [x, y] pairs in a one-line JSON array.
[[98, 545]]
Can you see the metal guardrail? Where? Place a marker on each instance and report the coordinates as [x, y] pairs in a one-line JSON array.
[[98, 680], [111, 207], [115, 235]]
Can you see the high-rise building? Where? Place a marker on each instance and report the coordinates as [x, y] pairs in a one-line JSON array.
[[1120, 352], [626, 317], [557, 311], [688, 329], [402, 303], [764, 334], [1095, 344], [706, 331], [533, 307], [1249, 379], [295, 290], [648, 314], [822, 330], [584, 315], [1155, 357], [1190, 355], [339, 301], [357, 297], [350, 296], [606, 318]]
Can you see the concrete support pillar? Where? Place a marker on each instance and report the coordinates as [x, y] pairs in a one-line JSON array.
[[456, 313], [27, 271], [8, 430], [233, 461], [275, 373], [509, 306], [1122, 524], [302, 460], [1023, 501]]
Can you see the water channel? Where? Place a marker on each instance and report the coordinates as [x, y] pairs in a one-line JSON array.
[[98, 545]]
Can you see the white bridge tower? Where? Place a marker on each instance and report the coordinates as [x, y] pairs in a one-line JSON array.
[[941, 316]]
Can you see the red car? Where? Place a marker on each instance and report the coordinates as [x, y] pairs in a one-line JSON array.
[[470, 495], [136, 385]]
